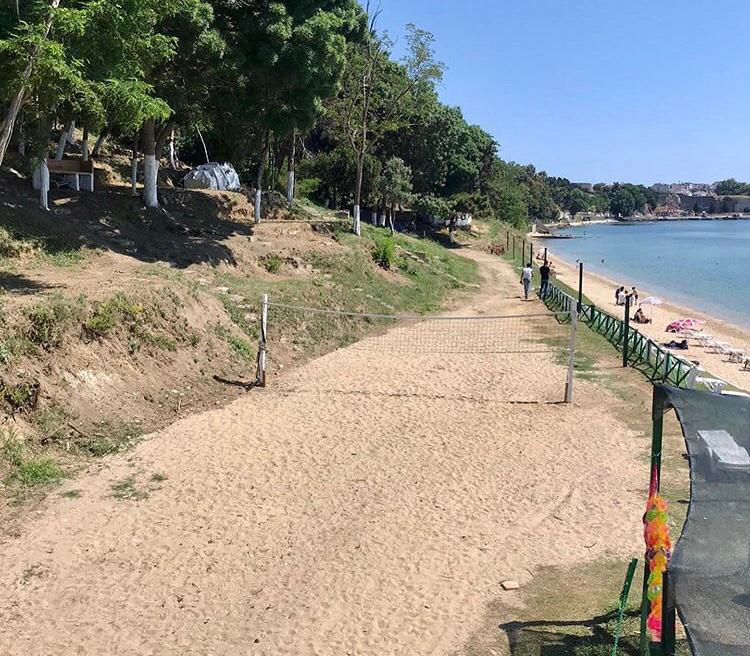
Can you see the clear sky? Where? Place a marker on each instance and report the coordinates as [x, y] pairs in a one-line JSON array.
[[599, 90]]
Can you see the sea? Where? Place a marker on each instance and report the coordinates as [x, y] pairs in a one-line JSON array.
[[704, 264]]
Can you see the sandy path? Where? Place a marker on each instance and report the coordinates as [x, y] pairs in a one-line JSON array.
[[602, 292], [367, 504]]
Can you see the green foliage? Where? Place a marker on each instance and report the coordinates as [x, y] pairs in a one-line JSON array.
[[272, 263], [49, 320], [26, 468], [732, 187], [394, 186], [111, 313], [384, 251]]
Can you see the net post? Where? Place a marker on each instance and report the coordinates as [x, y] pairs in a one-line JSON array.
[[580, 285], [626, 335], [571, 356], [261, 378], [668, 617]]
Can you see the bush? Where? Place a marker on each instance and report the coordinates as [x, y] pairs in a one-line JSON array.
[[307, 187], [384, 252], [10, 246], [109, 314], [51, 319], [272, 263]]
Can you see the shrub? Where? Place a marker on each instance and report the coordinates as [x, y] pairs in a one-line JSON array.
[[12, 247], [109, 314], [49, 320], [384, 252], [272, 263]]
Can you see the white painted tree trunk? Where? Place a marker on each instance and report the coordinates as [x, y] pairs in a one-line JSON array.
[[150, 165], [357, 225], [85, 145], [292, 167], [258, 203], [150, 177], [44, 185], [374, 217], [290, 187], [100, 141], [382, 219], [172, 158], [134, 173]]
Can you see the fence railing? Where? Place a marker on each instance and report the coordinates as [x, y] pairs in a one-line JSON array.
[[658, 363]]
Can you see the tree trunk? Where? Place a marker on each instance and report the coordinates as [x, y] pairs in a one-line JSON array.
[[101, 140], [172, 158], [9, 122], [64, 141], [134, 167], [161, 140], [259, 183], [44, 185], [291, 174], [21, 141], [150, 165], [358, 194], [390, 221], [205, 150], [85, 145]]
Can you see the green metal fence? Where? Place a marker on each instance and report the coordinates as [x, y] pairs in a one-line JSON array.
[[656, 362]]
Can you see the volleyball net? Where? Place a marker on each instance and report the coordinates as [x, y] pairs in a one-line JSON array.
[[479, 342]]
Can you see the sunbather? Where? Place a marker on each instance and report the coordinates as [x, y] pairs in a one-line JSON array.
[[640, 317]]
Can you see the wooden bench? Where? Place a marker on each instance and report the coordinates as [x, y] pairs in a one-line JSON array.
[[75, 169]]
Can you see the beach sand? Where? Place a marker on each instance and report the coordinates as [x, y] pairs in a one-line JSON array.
[[368, 503], [601, 291]]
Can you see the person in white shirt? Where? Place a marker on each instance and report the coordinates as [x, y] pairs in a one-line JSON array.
[[527, 275]]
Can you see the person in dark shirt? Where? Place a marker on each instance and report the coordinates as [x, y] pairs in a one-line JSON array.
[[544, 271]]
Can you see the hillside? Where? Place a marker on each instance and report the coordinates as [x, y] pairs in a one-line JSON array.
[[117, 320]]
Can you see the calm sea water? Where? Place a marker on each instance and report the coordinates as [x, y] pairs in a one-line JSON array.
[[703, 264]]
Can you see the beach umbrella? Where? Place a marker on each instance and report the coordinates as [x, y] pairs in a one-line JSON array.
[[651, 301], [685, 324]]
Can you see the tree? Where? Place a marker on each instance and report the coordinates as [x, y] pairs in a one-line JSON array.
[[377, 95], [394, 186], [622, 203]]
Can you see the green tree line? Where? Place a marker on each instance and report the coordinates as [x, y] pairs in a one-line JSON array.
[[297, 94]]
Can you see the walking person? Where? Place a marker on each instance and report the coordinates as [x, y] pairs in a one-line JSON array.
[[545, 271], [527, 275]]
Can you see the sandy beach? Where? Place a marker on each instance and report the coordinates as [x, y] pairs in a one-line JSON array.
[[367, 503], [601, 291]]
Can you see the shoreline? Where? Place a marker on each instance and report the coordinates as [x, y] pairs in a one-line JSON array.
[[600, 289]]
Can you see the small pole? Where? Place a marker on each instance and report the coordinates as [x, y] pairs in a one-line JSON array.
[[531, 251], [668, 617], [523, 251], [263, 342], [626, 336], [571, 356], [545, 256], [507, 240], [514, 248], [580, 286]]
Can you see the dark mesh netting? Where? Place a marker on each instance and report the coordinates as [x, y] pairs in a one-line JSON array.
[[710, 569]]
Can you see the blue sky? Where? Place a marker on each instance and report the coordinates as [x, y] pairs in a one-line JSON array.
[[606, 90]]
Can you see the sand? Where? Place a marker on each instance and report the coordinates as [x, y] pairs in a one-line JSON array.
[[366, 504], [601, 291]]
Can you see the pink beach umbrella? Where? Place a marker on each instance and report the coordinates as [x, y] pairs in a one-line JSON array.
[[685, 324]]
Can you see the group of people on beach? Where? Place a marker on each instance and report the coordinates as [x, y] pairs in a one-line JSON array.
[[621, 298], [527, 278]]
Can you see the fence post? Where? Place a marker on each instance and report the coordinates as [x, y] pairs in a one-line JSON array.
[[545, 256], [626, 336], [668, 617], [514, 249], [571, 357], [580, 285], [263, 342]]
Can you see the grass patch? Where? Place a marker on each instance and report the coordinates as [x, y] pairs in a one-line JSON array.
[[272, 263], [128, 490], [19, 397], [110, 437], [49, 320], [158, 477], [11, 246], [71, 494], [26, 468], [108, 315]]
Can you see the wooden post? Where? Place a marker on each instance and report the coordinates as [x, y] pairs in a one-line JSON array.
[[571, 357], [507, 240], [531, 252], [580, 286], [545, 256], [523, 251], [514, 248], [626, 335], [263, 342]]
